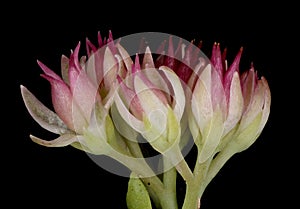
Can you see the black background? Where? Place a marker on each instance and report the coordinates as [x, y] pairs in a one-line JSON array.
[[38, 176]]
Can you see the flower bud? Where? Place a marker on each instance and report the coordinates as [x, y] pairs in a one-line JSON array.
[[227, 107]]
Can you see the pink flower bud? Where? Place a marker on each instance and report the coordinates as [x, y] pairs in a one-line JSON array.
[[235, 99]]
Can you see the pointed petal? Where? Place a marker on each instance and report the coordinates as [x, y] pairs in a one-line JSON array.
[[159, 61], [122, 71], [111, 44], [108, 100], [184, 72], [142, 45], [104, 41], [178, 92], [196, 73], [182, 48], [155, 109], [130, 99], [94, 67], [148, 60], [125, 57], [202, 107], [224, 61], [235, 104], [63, 103], [200, 44], [83, 91], [248, 79], [42, 115], [82, 62], [151, 74], [216, 59], [218, 92], [161, 49], [266, 106], [179, 50], [85, 94], [61, 141], [48, 71], [169, 60], [127, 116], [110, 36], [136, 67], [110, 67], [156, 80], [194, 54], [149, 97], [90, 48], [74, 58], [90, 68], [65, 68], [255, 106], [229, 73], [188, 54], [100, 40]]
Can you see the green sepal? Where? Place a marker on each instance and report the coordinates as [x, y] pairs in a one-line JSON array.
[[161, 142], [195, 131], [113, 139], [247, 137], [212, 134], [121, 125]]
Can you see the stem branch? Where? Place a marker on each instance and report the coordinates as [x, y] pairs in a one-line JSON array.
[[169, 199]]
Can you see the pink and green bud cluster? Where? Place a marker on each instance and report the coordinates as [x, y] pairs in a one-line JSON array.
[[228, 108], [110, 101], [106, 95], [81, 98]]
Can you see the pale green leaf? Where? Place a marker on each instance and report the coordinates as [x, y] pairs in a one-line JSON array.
[[137, 195]]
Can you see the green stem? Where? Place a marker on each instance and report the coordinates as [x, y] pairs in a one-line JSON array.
[[204, 173], [154, 190], [169, 199], [191, 199], [174, 157], [216, 164], [177, 159], [135, 150], [193, 196], [140, 167]]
